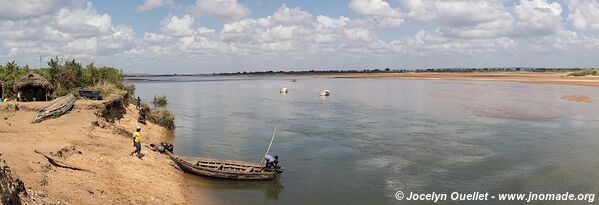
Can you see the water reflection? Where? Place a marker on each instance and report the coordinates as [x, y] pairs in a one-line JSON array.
[[269, 188]]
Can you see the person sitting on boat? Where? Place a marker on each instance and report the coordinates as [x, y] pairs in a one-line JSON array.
[[137, 142], [271, 162]]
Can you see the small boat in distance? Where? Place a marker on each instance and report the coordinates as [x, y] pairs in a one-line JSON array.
[[58, 107], [225, 169], [325, 93], [284, 90]]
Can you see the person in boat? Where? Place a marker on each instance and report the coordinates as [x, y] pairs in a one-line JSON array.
[[138, 103], [271, 162], [137, 142]]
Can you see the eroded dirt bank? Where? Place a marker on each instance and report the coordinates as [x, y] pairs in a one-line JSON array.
[[92, 136]]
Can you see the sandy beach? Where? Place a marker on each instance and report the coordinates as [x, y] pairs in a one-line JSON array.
[[523, 77], [83, 138]]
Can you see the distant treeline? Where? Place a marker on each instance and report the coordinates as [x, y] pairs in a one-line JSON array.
[[388, 70], [66, 76]]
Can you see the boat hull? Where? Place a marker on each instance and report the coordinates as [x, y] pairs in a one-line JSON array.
[[58, 107], [224, 169]]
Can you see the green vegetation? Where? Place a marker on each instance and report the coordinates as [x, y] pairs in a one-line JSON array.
[[391, 70], [67, 76], [588, 72], [163, 117], [10, 73], [160, 101]]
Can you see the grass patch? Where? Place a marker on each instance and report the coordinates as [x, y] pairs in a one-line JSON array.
[[107, 88]]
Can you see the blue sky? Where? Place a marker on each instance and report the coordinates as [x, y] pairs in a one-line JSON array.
[[203, 36]]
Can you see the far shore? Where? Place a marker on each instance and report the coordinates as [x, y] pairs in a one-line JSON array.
[[545, 77], [522, 77]]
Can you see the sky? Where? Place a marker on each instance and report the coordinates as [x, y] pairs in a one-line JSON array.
[[205, 36]]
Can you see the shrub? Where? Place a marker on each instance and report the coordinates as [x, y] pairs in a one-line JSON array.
[[130, 88], [163, 117], [591, 72], [160, 101]]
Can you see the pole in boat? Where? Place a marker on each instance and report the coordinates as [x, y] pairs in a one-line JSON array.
[[271, 140]]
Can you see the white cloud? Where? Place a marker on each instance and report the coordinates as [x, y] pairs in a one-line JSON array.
[[291, 16], [463, 18], [584, 14], [425, 41], [325, 22], [120, 39], [280, 33], [77, 33], [176, 26], [359, 34], [377, 22], [538, 17], [152, 4], [155, 38], [83, 23], [11, 9], [227, 10], [373, 8]]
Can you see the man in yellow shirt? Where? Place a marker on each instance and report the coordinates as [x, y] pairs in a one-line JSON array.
[[137, 142]]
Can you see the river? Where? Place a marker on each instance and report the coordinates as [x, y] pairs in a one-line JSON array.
[[372, 138]]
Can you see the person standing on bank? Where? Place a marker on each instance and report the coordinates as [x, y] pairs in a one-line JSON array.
[[138, 103], [137, 142]]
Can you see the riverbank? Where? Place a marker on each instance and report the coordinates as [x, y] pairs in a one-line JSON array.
[[523, 77], [93, 136]]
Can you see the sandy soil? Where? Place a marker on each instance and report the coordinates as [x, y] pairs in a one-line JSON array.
[[118, 178], [578, 98], [524, 77]]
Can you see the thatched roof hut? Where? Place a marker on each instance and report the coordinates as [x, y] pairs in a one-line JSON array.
[[32, 79], [33, 87]]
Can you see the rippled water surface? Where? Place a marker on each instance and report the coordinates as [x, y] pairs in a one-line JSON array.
[[371, 138]]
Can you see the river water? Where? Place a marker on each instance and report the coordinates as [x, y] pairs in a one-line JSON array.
[[371, 138]]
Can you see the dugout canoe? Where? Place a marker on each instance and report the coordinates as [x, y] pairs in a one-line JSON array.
[[225, 169], [58, 107]]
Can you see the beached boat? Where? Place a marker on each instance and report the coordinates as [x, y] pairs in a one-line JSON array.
[[57, 108], [91, 94], [226, 169]]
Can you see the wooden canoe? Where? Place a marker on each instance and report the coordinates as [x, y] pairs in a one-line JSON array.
[[225, 169], [58, 107]]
